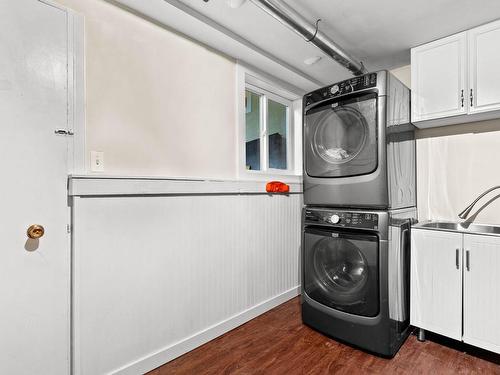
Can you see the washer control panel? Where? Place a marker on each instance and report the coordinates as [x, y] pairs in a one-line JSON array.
[[341, 88], [343, 219]]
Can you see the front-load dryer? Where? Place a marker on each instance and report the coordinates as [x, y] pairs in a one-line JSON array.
[[356, 276], [359, 144]]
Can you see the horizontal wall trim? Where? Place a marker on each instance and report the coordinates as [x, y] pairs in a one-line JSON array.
[[176, 350], [121, 186]]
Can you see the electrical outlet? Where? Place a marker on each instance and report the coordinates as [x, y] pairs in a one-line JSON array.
[[97, 161]]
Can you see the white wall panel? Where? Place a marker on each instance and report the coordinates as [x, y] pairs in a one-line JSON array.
[[159, 103], [154, 98], [155, 276]]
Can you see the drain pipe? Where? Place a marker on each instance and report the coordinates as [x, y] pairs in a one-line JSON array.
[[291, 18]]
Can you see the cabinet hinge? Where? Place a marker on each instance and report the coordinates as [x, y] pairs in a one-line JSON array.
[[63, 132]]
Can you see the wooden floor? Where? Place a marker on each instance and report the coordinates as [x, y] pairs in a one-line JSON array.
[[278, 343]]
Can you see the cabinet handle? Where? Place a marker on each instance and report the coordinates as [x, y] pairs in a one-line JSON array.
[[457, 261], [471, 98], [467, 260], [462, 98]]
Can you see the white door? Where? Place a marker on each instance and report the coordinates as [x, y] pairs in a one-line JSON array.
[[436, 282], [484, 68], [438, 78], [34, 274], [482, 292]]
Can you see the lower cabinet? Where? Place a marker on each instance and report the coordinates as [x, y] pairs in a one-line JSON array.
[[455, 286], [436, 282], [482, 292]]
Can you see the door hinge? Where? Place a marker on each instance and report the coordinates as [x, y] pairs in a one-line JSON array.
[[63, 132], [68, 228]]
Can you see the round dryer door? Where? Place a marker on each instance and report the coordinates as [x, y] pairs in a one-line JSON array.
[[341, 271], [340, 135], [341, 138]]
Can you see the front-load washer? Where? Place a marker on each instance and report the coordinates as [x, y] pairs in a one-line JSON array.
[[355, 272], [359, 144]]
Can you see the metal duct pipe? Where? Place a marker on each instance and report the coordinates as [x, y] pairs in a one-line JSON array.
[[291, 18]]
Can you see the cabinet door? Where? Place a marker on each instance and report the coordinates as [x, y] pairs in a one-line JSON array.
[[436, 282], [484, 68], [482, 292], [438, 82]]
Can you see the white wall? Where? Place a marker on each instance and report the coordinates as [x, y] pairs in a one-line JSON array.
[[156, 103], [156, 276], [454, 165]]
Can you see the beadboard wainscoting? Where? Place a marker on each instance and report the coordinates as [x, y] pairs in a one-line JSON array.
[[156, 274]]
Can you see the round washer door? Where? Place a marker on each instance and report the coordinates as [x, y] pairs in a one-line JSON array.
[[341, 270]]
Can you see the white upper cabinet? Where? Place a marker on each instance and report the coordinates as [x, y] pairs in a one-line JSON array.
[[457, 79], [439, 78], [484, 68], [482, 292]]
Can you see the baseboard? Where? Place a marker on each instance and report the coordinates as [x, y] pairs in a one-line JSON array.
[[171, 352]]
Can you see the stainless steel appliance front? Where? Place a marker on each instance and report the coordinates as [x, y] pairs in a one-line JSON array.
[[359, 146], [355, 267]]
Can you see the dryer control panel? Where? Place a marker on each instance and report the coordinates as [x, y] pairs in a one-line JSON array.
[[341, 88], [342, 219]]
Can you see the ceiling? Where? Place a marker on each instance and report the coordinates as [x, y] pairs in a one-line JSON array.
[[379, 33]]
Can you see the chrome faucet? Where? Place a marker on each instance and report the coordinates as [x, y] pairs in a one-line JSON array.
[[466, 212]]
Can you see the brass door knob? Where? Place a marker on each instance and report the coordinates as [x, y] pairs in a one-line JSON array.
[[35, 231]]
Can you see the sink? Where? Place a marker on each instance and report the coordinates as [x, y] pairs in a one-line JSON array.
[[460, 227], [444, 225]]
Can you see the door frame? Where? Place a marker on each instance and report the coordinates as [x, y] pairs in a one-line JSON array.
[[77, 163], [76, 151]]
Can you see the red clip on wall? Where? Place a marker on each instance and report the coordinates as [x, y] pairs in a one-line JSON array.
[[277, 187]]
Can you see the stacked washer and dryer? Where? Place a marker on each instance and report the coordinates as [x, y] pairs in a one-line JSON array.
[[360, 202]]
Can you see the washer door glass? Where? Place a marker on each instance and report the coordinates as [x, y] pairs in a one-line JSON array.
[[341, 270], [341, 138]]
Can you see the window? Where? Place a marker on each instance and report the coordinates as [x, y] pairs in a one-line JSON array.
[[269, 136], [268, 145]]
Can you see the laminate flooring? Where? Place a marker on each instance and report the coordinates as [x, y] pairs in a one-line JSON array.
[[277, 342]]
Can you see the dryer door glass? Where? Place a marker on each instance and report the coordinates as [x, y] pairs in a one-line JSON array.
[[341, 270], [341, 138]]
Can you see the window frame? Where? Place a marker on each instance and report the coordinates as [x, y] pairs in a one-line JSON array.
[[264, 97], [268, 90]]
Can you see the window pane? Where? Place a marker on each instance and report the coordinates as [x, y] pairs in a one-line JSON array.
[[277, 130], [252, 110]]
